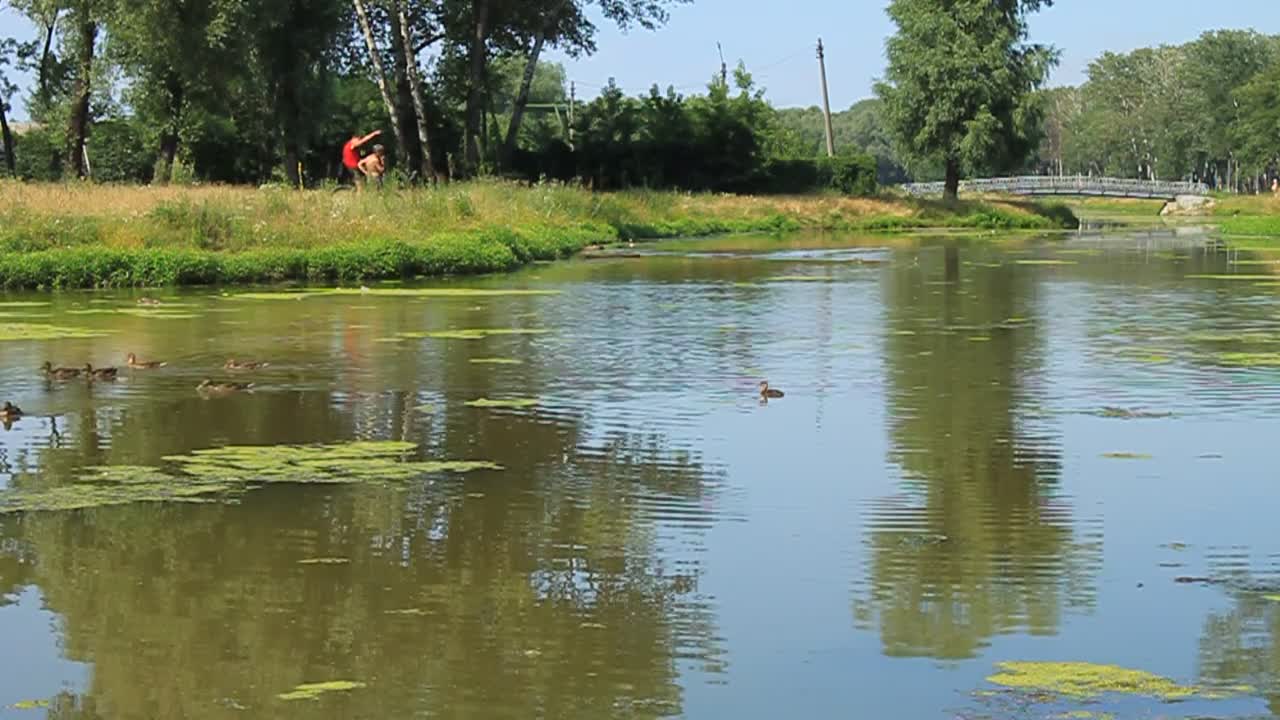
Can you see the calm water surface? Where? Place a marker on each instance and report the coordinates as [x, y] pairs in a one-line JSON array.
[[937, 493]]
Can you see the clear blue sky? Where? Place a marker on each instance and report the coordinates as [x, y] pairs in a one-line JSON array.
[[776, 38]]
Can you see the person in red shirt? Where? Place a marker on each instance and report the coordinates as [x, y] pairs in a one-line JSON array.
[[351, 155]]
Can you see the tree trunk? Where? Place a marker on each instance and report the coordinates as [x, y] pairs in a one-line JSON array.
[[951, 189], [381, 76], [427, 168], [522, 99], [78, 131], [169, 137], [475, 91], [7, 136], [45, 54]]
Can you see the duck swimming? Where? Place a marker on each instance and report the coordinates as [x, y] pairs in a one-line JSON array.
[[222, 388], [133, 362], [149, 301], [234, 364], [767, 392], [100, 373], [10, 412], [59, 373]]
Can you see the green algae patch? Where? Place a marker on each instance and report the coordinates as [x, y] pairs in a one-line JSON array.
[[470, 333], [24, 304], [325, 561], [344, 463], [1126, 456], [800, 278], [439, 292], [496, 361], [1272, 598], [1244, 359], [312, 691], [152, 313], [1232, 277], [112, 486], [39, 331], [408, 612], [30, 705], [1084, 681], [1045, 262], [514, 403]]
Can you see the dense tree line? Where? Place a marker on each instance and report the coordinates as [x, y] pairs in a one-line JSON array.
[[1207, 110], [261, 90]]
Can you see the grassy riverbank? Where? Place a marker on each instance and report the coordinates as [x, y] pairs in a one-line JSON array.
[[1249, 215], [98, 236]]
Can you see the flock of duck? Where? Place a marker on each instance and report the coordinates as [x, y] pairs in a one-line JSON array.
[[10, 412]]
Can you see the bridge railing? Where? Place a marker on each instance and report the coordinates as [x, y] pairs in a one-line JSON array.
[[1055, 185]]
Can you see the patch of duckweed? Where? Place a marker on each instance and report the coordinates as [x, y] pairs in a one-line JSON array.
[[470, 333], [1240, 276], [496, 361], [106, 487], [1272, 598], [1244, 359], [1046, 262], [1126, 456], [312, 691], [325, 561], [414, 612], [1240, 337], [439, 292], [137, 312], [503, 403], [39, 331], [799, 278], [1126, 414], [30, 705], [1083, 681], [23, 304], [324, 464]]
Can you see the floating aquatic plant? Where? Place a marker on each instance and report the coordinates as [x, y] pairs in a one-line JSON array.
[[1232, 277], [496, 361], [311, 691], [1046, 262], [1126, 456], [1251, 359], [124, 486], [389, 292], [30, 705], [38, 331], [325, 561], [23, 304], [503, 403], [470, 333], [1083, 681]]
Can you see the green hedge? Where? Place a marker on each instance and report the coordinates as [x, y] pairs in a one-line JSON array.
[[846, 174], [446, 254]]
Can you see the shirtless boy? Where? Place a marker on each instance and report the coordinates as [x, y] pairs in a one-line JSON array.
[[375, 166]]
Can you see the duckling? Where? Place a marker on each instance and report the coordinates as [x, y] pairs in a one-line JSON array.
[[59, 373], [234, 364], [10, 412], [149, 301], [767, 392], [100, 373], [222, 388], [133, 362]]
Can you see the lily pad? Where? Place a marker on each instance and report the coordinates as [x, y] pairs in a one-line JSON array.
[[37, 331], [311, 691], [1083, 681], [503, 403], [496, 361]]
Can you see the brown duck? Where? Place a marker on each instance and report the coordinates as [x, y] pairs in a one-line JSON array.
[[769, 393], [133, 362], [10, 412], [149, 301], [61, 373], [223, 388], [92, 373], [234, 364]]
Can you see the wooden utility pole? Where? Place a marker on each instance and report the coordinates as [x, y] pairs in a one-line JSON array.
[[826, 101], [724, 69]]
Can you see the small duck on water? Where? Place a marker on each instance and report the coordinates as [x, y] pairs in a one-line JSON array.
[[768, 393], [133, 362], [61, 373], [10, 412], [108, 373], [149, 301], [222, 388], [234, 364]]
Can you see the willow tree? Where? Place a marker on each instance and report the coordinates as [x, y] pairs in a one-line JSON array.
[[960, 89]]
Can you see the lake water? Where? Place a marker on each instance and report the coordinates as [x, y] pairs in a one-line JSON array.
[[1013, 452]]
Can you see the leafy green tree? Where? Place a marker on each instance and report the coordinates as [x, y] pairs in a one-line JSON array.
[[1256, 132], [960, 86], [8, 49]]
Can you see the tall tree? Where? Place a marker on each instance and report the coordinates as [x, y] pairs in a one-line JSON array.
[[85, 17], [40, 55], [960, 86], [380, 75], [8, 50]]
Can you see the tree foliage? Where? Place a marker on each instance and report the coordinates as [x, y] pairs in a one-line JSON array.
[[959, 88]]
